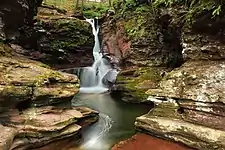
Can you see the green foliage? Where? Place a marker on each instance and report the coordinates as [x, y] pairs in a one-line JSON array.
[[134, 27], [68, 5], [192, 9], [217, 11], [91, 10], [167, 3], [195, 7]]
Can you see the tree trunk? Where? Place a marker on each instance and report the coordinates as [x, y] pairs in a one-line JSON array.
[[110, 3], [77, 4], [82, 7]]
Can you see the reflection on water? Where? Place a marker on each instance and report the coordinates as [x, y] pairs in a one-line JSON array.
[[96, 132], [116, 120]]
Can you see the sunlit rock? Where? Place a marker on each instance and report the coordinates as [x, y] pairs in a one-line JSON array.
[[26, 80]]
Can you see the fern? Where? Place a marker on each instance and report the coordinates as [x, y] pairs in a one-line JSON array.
[[217, 11], [195, 7]]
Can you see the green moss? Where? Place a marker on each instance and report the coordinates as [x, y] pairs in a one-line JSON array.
[[41, 79], [92, 10], [138, 22], [133, 82], [68, 5], [5, 50], [71, 24], [61, 44], [16, 91], [70, 33], [44, 66], [166, 109]]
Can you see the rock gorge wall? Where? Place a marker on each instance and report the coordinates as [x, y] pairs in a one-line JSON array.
[[143, 39], [30, 89], [54, 36], [14, 14], [175, 64], [58, 39]]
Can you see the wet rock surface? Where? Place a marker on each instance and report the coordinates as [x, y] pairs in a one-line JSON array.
[[167, 120], [145, 142], [187, 86], [35, 127], [189, 106]]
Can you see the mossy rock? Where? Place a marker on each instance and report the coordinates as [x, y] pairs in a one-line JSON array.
[[136, 82], [5, 50], [68, 33], [71, 24]]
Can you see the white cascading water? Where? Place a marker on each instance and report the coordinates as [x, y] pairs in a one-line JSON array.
[[92, 77]]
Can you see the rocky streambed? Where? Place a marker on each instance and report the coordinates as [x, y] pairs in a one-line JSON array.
[[176, 65], [27, 89], [30, 90]]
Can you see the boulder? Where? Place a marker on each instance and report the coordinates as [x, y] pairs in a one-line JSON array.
[[24, 80], [110, 77], [189, 106], [200, 81], [39, 126], [132, 83], [167, 120]]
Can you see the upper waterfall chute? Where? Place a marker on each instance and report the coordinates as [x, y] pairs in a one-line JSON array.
[[92, 77]]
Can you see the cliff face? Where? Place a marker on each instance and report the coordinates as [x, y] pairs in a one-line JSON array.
[[143, 37], [30, 89], [58, 39], [14, 14], [146, 39], [178, 66], [53, 36]]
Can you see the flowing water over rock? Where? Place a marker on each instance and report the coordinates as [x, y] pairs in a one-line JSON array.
[[92, 77], [116, 118]]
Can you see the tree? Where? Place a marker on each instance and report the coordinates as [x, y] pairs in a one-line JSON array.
[[77, 4]]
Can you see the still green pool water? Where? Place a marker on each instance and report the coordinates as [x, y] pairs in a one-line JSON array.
[[116, 120]]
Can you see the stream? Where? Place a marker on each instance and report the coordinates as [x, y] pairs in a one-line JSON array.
[[116, 118], [116, 121]]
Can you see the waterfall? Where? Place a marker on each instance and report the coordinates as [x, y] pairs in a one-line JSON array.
[[92, 77]]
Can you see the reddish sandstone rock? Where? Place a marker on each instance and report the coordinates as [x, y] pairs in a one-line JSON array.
[[144, 142], [36, 127]]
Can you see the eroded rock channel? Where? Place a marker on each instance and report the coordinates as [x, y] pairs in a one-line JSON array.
[[155, 67]]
